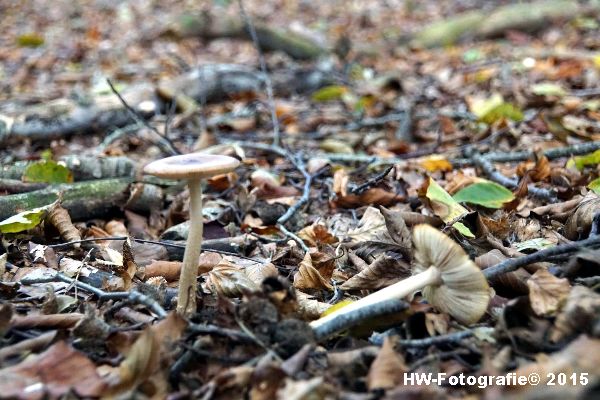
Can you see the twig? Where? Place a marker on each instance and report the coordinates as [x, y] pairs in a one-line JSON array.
[[205, 246], [133, 296], [255, 339], [162, 142], [488, 169], [513, 264], [263, 68], [27, 345], [450, 338], [551, 154], [438, 357], [371, 182], [345, 321], [208, 329]]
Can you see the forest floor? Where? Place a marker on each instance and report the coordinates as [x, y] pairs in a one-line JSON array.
[[371, 147]]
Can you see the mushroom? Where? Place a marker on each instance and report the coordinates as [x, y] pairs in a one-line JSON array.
[[192, 167], [448, 279]]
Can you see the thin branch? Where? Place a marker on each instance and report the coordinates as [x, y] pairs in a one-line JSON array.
[[263, 68], [372, 181], [451, 338], [488, 169], [205, 246], [162, 142], [209, 329], [133, 296], [551, 154], [513, 264]]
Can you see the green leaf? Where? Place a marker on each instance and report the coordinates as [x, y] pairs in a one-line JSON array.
[[328, 93], [25, 220], [445, 207], [494, 109], [548, 89], [580, 162], [505, 110], [485, 193], [462, 228], [595, 185], [30, 40], [47, 171]]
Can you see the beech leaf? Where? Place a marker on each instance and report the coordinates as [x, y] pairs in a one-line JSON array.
[[47, 171], [485, 193]]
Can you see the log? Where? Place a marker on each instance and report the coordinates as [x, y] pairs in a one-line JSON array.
[[83, 167], [83, 200], [209, 26], [478, 24]]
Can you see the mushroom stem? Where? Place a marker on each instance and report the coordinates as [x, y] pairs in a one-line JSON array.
[[186, 299], [399, 290]]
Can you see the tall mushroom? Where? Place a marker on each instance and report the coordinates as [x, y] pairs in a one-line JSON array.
[[193, 168], [448, 279]]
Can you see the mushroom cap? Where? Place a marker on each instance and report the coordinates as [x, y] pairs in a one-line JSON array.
[[194, 165], [463, 292]]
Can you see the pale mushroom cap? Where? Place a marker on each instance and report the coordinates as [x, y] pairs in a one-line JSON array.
[[464, 292], [194, 165]]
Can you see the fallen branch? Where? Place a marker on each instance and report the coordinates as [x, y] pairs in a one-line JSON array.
[[133, 296], [488, 169], [551, 154], [209, 26], [84, 168], [27, 345], [513, 264]]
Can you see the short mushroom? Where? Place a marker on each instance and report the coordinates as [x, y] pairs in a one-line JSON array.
[[192, 167], [448, 279]]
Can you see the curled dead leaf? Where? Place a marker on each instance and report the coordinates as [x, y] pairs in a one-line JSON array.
[[580, 314], [382, 272], [229, 280], [309, 277], [580, 222], [61, 220], [547, 293], [388, 368]]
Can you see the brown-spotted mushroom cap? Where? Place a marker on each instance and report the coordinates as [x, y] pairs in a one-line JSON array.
[[190, 166], [463, 292]]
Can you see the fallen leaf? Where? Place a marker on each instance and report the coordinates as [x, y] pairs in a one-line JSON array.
[[388, 369], [308, 277], [47, 171], [382, 272], [229, 280], [547, 293], [485, 193], [54, 373]]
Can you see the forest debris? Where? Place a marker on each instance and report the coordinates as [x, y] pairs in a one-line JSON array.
[[547, 293], [309, 277], [54, 373], [44, 321], [210, 26], [580, 314], [388, 368], [229, 280], [382, 272], [61, 220], [483, 24]]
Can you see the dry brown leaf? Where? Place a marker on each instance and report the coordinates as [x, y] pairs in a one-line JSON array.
[[257, 272], [537, 171], [579, 223], [128, 268], [547, 293], [580, 314], [382, 272], [372, 196], [116, 228], [436, 324], [143, 360], [229, 280], [388, 368], [580, 356], [397, 230], [316, 234], [310, 308], [54, 373], [169, 270], [61, 220], [309, 277]]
